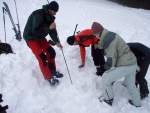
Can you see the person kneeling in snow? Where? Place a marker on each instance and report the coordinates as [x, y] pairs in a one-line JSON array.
[[142, 54], [41, 23], [84, 39], [121, 62]]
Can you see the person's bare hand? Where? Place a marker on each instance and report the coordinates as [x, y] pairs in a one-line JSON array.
[[59, 45], [82, 65], [52, 26]]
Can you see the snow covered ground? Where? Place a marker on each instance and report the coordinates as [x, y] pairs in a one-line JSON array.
[[22, 83]]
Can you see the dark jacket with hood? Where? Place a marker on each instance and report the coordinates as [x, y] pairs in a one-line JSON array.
[[37, 26], [141, 52]]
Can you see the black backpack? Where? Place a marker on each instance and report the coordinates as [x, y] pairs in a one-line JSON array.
[[5, 48], [2, 108]]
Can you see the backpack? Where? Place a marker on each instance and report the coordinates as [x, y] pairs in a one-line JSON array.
[[5, 48], [2, 108]]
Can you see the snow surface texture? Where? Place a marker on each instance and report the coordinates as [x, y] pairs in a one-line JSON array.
[[22, 84]]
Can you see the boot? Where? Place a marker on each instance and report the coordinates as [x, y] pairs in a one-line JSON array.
[[57, 74], [144, 90], [130, 101], [53, 81], [110, 101]]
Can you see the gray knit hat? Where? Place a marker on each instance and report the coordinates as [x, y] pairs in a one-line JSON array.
[[96, 28]]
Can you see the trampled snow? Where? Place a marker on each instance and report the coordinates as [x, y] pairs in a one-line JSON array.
[[21, 82]]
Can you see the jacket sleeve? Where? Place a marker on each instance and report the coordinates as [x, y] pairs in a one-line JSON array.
[[53, 34], [82, 53], [111, 55], [39, 29]]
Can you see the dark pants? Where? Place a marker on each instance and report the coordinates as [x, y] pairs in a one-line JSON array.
[[98, 56], [140, 76]]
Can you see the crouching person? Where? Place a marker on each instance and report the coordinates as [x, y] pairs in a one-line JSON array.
[[120, 62], [84, 39], [142, 54]]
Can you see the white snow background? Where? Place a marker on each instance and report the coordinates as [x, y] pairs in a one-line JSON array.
[[21, 81]]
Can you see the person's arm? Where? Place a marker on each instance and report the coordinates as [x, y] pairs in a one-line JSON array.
[[111, 55], [82, 54], [53, 34]]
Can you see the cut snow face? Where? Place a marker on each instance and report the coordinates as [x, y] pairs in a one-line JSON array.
[[21, 81]]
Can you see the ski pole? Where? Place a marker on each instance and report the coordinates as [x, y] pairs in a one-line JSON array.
[[64, 56], [67, 66], [16, 11], [75, 29], [4, 22], [19, 32], [48, 2]]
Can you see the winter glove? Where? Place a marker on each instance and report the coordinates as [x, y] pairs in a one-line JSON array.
[[100, 70], [108, 64], [82, 65], [51, 43], [99, 73], [53, 81], [138, 69]]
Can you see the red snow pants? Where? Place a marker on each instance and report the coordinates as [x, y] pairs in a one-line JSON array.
[[45, 55]]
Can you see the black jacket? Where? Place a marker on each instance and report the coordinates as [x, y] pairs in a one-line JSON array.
[[141, 52], [37, 26]]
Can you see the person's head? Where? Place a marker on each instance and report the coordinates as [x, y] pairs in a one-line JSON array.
[[71, 40], [53, 8], [97, 29]]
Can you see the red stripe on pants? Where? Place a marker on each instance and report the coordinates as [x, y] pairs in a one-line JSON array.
[[37, 48]]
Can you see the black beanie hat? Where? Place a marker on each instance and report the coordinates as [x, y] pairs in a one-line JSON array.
[[53, 6], [71, 40]]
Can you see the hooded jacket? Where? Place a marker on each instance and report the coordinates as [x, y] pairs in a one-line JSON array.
[[141, 52], [85, 39], [37, 26], [116, 50]]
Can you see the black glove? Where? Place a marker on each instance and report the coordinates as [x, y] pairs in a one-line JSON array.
[[100, 70], [51, 43]]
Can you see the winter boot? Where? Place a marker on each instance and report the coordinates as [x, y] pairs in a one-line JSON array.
[[109, 102], [144, 90], [57, 74], [143, 96], [53, 81], [130, 101]]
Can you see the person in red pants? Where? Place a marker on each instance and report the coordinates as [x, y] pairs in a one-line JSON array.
[[39, 24]]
